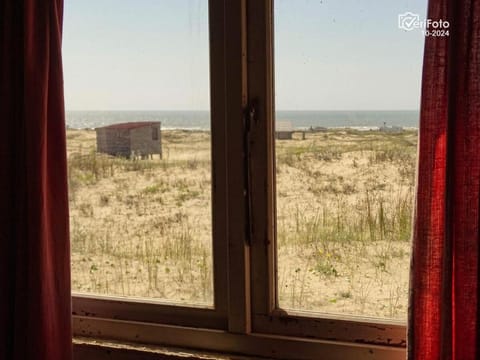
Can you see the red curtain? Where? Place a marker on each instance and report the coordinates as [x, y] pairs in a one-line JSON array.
[[35, 310], [444, 287]]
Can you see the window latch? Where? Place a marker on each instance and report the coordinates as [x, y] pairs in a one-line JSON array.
[[251, 113]]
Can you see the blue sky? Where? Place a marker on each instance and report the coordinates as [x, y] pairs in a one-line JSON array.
[[153, 55]]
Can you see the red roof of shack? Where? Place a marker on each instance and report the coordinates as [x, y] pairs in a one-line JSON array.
[[130, 125]]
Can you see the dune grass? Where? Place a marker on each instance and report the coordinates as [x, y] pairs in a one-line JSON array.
[[344, 202]]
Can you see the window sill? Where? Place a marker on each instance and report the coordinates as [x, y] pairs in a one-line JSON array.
[[205, 342], [99, 349]]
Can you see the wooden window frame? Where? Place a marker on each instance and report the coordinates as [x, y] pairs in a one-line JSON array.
[[245, 318], [173, 313], [267, 315]]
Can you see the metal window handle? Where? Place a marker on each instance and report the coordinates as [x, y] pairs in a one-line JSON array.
[[250, 114]]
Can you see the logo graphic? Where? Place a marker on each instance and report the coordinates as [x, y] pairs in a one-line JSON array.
[[408, 21], [430, 27]]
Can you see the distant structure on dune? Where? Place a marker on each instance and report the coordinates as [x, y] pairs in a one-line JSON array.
[[318, 129], [390, 129], [283, 130], [130, 139]]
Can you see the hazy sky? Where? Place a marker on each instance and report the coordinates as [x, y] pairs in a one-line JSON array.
[[153, 55]]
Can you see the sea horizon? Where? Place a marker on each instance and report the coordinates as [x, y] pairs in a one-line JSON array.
[[200, 119]]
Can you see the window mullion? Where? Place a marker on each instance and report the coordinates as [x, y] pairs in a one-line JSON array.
[[262, 155], [219, 161], [236, 100]]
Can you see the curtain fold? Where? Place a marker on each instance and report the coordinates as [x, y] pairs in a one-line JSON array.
[[35, 301], [444, 284]]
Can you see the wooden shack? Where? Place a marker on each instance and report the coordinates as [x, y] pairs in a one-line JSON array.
[[130, 139], [283, 130]]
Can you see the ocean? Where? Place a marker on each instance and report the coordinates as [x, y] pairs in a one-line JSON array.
[[200, 120]]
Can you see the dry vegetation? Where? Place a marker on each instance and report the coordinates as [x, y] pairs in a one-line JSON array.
[[344, 207], [143, 227]]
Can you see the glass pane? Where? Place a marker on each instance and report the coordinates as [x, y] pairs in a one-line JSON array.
[[140, 161], [347, 99]]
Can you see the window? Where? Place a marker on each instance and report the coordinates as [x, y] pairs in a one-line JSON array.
[[154, 133], [141, 214], [245, 309], [345, 172]]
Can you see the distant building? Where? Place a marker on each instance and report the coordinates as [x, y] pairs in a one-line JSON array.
[[318, 129], [130, 139], [283, 130], [390, 129]]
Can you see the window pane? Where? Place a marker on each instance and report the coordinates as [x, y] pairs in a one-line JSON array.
[[140, 162], [347, 99]]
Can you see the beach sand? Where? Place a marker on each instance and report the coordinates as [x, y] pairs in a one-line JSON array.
[[142, 228]]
